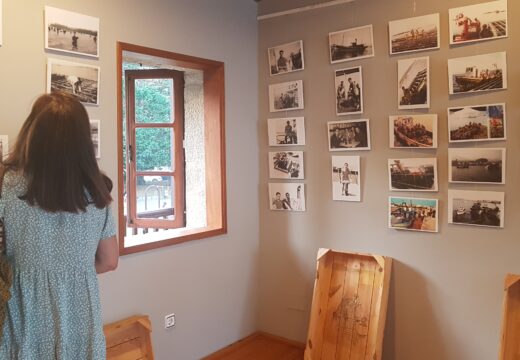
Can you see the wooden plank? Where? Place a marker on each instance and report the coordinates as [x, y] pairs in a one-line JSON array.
[[372, 352], [129, 339], [510, 347]]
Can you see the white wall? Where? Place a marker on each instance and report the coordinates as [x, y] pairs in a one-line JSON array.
[[210, 284]]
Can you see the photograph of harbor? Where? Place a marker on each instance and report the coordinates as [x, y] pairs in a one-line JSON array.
[[286, 131], [477, 73], [413, 91], [413, 131], [477, 123], [286, 96], [286, 58], [477, 165], [95, 134], [414, 34], [478, 22], [478, 208], [287, 196], [349, 135], [346, 178], [349, 91], [415, 214], [4, 146], [79, 80], [286, 165], [351, 44], [413, 174]]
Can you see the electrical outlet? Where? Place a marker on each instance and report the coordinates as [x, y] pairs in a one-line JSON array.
[[169, 321]]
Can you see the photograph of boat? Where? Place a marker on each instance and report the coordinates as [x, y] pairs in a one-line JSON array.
[[414, 34], [286, 58], [478, 22], [478, 208], [477, 123], [349, 91], [286, 165], [417, 174], [477, 165], [286, 96], [413, 90], [351, 44], [416, 214], [477, 73], [413, 131]]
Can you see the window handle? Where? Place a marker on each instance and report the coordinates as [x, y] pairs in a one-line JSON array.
[[130, 153]]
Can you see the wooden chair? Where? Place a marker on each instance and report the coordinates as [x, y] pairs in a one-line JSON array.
[[129, 339]]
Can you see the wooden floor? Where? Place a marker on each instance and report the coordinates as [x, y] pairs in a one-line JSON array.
[[260, 346]]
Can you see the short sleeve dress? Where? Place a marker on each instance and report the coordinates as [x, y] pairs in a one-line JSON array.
[[54, 312]]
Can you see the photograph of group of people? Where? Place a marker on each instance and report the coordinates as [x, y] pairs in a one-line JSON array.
[[287, 196], [349, 135], [349, 91], [477, 123], [286, 96], [414, 34], [413, 131], [415, 214]]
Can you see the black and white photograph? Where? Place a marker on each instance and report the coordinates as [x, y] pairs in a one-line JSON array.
[[349, 91], [71, 32], [477, 73], [286, 96], [413, 131], [477, 208], [78, 79], [346, 178], [413, 174], [349, 135], [477, 123], [286, 131], [485, 21], [351, 44], [286, 165], [413, 91], [287, 196], [4, 146], [416, 214], [286, 58], [95, 133], [477, 165], [414, 34]]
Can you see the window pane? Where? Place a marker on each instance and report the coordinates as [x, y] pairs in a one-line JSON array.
[[155, 197], [153, 100], [153, 149]]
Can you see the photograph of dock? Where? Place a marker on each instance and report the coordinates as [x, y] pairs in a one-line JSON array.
[[415, 214], [477, 165], [414, 34], [477, 208]]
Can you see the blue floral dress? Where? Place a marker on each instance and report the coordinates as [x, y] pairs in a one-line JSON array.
[[54, 312]]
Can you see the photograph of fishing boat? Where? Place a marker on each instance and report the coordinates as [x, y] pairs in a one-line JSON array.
[[478, 208], [478, 22], [413, 90], [349, 135], [477, 73], [477, 123], [286, 96], [351, 44], [415, 214], [286, 165], [414, 34], [349, 91], [286, 131], [346, 178], [413, 131], [286, 58], [477, 165], [413, 174]]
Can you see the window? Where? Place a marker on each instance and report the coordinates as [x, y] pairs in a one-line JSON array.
[[171, 148]]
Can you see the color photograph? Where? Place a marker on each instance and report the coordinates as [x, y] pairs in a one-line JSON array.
[[286, 96], [351, 44], [77, 79], [486, 21], [477, 208], [346, 178], [4, 146], [477, 73], [477, 123], [95, 133], [349, 135], [286, 58], [413, 131], [413, 174], [416, 214], [286, 165], [413, 90], [349, 91], [414, 34], [286, 131], [477, 165], [287, 196]]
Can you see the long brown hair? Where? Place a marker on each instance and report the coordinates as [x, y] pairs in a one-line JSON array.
[[55, 153]]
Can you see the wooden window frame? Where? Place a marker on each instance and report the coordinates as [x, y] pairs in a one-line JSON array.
[[214, 144]]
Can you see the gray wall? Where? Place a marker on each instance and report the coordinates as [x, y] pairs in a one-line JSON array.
[[446, 289], [210, 284]]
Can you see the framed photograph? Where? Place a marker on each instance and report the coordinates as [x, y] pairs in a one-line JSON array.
[[351, 44], [417, 214], [286, 131], [477, 165], [477, 123], [349, 135], [95, 133], [346, 178], [286, 58], [71, 32], [4, 146], [413, 174], [78, 79], [286, 96], [413, 90], [485, 21], [349, 91], [414, 34], [287, 196], [478, 208], [286, 165], [413, 131], [477, 73]]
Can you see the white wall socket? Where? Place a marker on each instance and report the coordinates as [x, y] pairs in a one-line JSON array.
[[169, 321]]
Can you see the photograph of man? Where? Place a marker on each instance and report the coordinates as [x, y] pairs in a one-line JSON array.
[[282, 61], [277, 201], [344, 179]]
